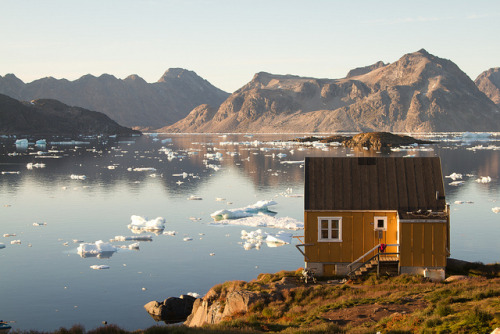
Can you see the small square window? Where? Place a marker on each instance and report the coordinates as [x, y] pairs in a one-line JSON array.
[[380, 223]]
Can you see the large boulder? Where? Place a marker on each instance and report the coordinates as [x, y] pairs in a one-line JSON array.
[[172, 309]]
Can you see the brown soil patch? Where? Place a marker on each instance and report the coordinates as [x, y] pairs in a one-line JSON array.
[[357, 315]]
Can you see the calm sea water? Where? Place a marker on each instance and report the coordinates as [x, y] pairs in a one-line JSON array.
[[45, 284]]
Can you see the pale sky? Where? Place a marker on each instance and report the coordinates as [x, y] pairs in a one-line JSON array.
[[227, 41]]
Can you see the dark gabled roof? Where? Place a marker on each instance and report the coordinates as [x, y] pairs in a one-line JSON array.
[[393, 183]]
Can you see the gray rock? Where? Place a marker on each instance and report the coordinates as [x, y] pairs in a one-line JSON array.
[[172, 309]]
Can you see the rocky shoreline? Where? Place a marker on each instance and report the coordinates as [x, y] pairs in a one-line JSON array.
[[284, 297]]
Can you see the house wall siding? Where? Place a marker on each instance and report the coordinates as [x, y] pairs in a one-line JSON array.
[[423, 244], [358, 236]]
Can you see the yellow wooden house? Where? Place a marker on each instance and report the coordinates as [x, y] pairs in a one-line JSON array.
[[367, 213]]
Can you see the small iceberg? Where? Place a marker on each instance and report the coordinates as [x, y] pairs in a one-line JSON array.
[[454, 176], [140, 223], [287, 223], [99, 249], [21, 143], [99, 266], [456, 183], [134, 246], [248, 211], [170, 233], [496, 209], [78, 177], [194, 198], [142, 169], [483, 179], [132, 238]]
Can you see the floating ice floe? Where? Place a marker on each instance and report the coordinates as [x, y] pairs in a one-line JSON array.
[[99, 266], [21, 143], [15, 242], [6, 235], [255, 239], [31, 165], [456, 183], [248, 211], [140, 223], [483, 179], [187, 239], [496, 209], [132, 238], [78, 177], [171, 233], [454, 176], [95, 249], [135, 245], [10, 172], [292, 162], [265, 221], [194, 198], [462, 202], [142, 169], [484, 148], [40, 224]]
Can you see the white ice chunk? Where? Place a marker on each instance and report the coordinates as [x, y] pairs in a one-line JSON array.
[[454, 176], [194, 198], [99, 266], [456, 183], [132, 238], [292, 162], [281, 238], [265, 221], [496, 209], [140, 223], [6, 235], [483, 179], [143, 169], [78, 177], [187, 239], [95, 248], [15, 242], [40, 224], [248, 211], [22, 142], [134, 246], [171, 233]]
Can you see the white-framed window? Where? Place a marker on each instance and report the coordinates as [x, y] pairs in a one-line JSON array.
[[380, 223], [330, 229]]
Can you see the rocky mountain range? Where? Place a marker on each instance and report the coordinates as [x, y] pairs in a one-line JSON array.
[[489, 83], [51, 117], [131, 101], [417, 93]]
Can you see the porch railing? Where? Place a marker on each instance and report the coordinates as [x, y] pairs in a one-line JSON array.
[[358, 260]]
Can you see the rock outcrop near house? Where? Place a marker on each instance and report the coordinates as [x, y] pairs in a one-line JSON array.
[[418, 93], [131, 101], [51, 117], [488, 82]]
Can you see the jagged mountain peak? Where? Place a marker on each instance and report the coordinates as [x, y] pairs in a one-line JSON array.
[[489, 83], [419, 92], [134, 78], [178, 73]]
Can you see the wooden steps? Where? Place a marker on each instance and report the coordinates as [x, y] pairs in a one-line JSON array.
[[389, 265]]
